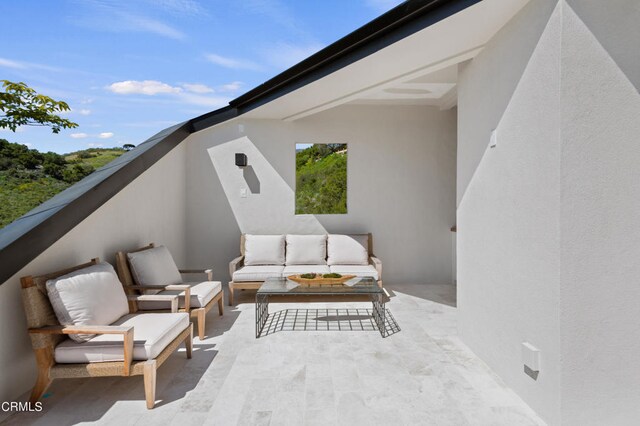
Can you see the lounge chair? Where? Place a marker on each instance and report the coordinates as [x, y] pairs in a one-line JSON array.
[[97, 335], [152, 269]]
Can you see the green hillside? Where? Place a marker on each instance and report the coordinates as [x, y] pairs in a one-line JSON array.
[[29, 177], [321, 179]]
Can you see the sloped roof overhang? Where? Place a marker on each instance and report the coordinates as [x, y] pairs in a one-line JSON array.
[[30, 235]]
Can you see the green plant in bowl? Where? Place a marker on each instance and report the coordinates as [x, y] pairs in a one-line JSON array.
[[308, 276], [332, 275]]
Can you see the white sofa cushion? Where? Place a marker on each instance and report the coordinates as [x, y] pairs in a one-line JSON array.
[[305, 269], [88, 296], [201, 295], [263, 250], [358, 270], [258, 273], [151, 334], [154, 267], [306, 249], [347, 249]]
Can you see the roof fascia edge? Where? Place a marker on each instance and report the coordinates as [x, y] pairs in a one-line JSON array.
[[17, 254]]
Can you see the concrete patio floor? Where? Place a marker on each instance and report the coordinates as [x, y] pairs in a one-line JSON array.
[[422, 375]]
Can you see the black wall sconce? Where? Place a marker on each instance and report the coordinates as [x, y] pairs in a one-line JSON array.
[[241, 159]]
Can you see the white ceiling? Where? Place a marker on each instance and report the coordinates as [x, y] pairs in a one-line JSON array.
[[419, 69], [437, 88]]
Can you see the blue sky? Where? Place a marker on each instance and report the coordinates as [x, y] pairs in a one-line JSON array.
[[129, 68]]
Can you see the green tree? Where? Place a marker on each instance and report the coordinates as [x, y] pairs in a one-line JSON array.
[[20, 105]]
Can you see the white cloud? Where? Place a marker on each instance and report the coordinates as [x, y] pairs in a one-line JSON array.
[[182, 7], [189, 93], [117, 16], [79, 135], [74, 111], [94, 145], [231, 87], [10, 63], [18, 130], [143, 24], [146, 87], [28, 144], [197, 88], [208, 101], [105, 135], [232, 63], [382, 6], [284, 55]]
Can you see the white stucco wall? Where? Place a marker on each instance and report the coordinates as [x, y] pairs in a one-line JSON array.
[[600, 218], [508, 213], [401, 185], [547, 235], [151, 208]]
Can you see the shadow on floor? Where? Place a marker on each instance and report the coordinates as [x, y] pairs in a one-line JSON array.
[[444, 294], [177, 377], [352, 319]]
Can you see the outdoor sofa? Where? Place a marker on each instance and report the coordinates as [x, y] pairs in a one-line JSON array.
[[276, 256]]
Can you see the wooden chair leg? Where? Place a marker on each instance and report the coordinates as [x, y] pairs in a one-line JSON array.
[[230, 294], [150, 383], [201, 321], [221, 303], [188, 342], [42, 383]]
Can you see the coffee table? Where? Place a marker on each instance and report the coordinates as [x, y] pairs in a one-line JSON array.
[[356, 287]]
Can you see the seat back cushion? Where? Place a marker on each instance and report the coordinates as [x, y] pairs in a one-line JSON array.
[[154, 266], [88, 296], [306, 250], [264, 250], [348, 249]]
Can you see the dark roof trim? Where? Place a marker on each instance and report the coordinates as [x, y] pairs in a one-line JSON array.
[[212, 118], [29, 236]]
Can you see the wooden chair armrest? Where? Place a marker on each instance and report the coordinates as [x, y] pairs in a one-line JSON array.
[[180, 287], [171, 298], [234, 265], [209, 272], [187, 294], [126, 331], [378, 265]]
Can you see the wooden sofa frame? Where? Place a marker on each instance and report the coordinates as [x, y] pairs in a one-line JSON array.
[[238, 262], [46, 333], [131, 287]]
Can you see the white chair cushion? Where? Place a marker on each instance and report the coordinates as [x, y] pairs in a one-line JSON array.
[[348, 249], [88, 296], [306, 249], [264, 250], [305, 269], [358, 270], [257, 273], [151, 334], [201, 295], [154, 267]]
